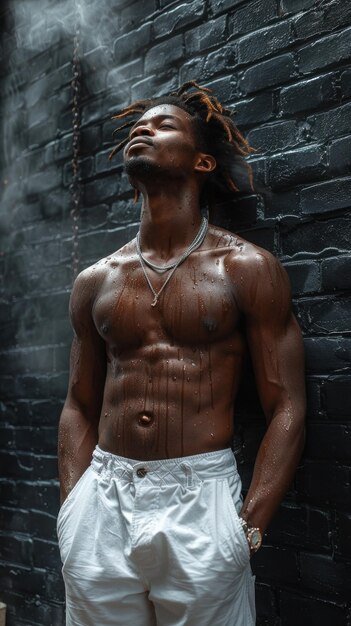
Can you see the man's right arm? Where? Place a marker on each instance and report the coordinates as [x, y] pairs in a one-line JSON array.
[[78, 427]]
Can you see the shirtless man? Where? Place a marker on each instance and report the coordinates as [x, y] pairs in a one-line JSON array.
[[153, 530]]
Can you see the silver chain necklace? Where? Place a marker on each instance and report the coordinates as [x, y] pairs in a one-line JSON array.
[[196, 243]]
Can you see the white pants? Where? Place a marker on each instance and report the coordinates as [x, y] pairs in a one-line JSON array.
[[156, 543]]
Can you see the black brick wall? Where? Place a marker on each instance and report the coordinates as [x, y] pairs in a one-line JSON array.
[[285, 65]]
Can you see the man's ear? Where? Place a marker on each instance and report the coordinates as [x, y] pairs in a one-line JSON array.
[[205, 163]]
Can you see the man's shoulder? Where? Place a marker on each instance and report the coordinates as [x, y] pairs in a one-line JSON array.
[[240, 252], [257, 277]]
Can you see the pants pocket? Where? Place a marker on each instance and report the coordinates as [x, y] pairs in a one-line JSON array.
[[70, 498], [237, 536]]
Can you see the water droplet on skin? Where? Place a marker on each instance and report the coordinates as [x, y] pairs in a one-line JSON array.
[[212, 435], [174, 377]]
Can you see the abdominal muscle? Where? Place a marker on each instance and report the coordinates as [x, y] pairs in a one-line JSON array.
[[166, 402]]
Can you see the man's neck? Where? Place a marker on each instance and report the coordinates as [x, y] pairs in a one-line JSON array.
[[170, 220]]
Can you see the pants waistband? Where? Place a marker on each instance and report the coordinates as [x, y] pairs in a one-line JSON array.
[[198, 467]]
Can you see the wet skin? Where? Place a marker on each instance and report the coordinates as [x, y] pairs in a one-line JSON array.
[[159, 382]]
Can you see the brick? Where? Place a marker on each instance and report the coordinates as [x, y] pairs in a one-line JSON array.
[[264, 237], [40, 89], [164, 54], [264, 42], [177, 17], [135, 12], [325, 315], [219, 6], [335, 389], [297, 166], [124, 74], [21, 609], [259, 169], [107, 241], [265, 602], [303, 609], [16, 549], [123, 212], [44, 181], [242, 213], [206, 36], [308, 94], [325, 354], [254, 110], [336, 273], [268, 73], [340, 156], [300, 526], [315, 411], [104, 105], [323, 574], [95, 82], [154, 86], [322, 19], [251, 16], [331, 123], [90, 139], [193, 67], [220, 60], [102, 163], [269, 562], [345, 84], [324, 483], [291, 6], [224, 88], [328, 442], [99, 190], [304, 277], [43, 524], [41, 133], [273, 137], [343, 534], [94, 217], [26, 580], [46, 555], [326, 196], [326, 51]]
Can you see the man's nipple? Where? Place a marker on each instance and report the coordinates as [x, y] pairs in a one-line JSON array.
[[145, 420]]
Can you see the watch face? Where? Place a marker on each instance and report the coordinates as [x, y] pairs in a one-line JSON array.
[[255, 539]]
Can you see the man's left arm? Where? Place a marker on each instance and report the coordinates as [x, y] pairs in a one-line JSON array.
[[276, 349]]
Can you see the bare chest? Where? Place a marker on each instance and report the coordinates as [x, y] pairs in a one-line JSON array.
[[196, 306]]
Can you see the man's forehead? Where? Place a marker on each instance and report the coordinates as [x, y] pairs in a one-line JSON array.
[[165, 110]]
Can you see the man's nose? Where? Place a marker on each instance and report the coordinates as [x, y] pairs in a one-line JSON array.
[[143, 129]]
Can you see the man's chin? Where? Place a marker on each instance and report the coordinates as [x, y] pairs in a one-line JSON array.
[[140, 167]]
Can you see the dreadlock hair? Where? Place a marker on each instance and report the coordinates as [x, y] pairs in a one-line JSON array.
[[215, 134]]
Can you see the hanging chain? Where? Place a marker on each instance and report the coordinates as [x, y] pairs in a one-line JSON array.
[[75, 184]]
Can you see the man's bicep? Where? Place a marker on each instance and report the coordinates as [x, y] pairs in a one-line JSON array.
[[277, 355], [87, 358], [274, 339]]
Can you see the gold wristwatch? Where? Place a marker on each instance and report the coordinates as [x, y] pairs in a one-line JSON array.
[[253, 536]]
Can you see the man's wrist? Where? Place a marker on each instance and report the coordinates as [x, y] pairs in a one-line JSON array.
[[253, 535]]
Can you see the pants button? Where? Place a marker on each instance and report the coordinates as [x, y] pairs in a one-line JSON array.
[[141, 472]]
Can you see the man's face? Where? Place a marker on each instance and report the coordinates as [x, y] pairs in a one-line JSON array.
[[161, 141]]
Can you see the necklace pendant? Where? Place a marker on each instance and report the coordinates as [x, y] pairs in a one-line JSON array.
[[154, 301]]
